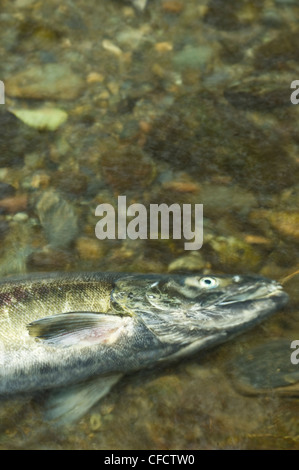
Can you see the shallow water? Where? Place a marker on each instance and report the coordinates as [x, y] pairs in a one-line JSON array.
[[184, 102]]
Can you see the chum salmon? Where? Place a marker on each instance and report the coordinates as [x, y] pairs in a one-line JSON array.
[[77, 334]]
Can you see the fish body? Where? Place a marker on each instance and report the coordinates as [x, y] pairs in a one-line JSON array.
[[81, 332]]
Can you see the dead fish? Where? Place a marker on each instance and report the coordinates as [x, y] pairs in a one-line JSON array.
[[77, 334]]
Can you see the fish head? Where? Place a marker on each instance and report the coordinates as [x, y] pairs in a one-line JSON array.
[[231, 301], [181, 307]]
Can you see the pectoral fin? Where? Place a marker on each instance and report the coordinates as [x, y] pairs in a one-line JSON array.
[[71, 403], [83, 328]]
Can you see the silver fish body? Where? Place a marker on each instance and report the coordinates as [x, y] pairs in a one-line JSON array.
[[61, 330]]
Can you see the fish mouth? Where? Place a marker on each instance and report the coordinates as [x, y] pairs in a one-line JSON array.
[[253, 293], [267, 293], [247, 305]]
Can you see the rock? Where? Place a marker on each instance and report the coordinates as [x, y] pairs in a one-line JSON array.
[[20, 217], [89, 248], [172, 6], [49, 81], [139, 4], [4, 228], [193, 57], [58, 219], [164, 46], [49, 259], [265, 368], [284, 222], [6, 190], [218, 199], [207, 138], [43, 119], [14, 204], [259, 94], [192, 262], [72, 182], [231, 15], [127, 168], [276, 52], [235, 254], [95, 421], [16, 139]]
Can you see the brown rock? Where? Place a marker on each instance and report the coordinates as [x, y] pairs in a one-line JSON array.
[[127, 168], [172, 6], [89, 248], [286, 223], [50, 81], [14, 204]]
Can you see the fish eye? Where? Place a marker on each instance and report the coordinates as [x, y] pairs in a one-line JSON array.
[[208, 282]]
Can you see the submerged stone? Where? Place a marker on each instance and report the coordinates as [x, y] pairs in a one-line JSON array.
[[284, 222], [206, 138], [193, 57], [6, 190], [276, 52], [16, 139], [50, 81], [264, 368], [259, 94], [231, 15], [43, 119], [233, 253], [127, 167], [58, 219]]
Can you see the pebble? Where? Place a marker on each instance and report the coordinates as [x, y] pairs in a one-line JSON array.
[[182, 186], [234, 253], [265, 368], [50, 81], [6, 190], [286, 223], [40, 180], [163, 46], [58, 218], [34, 161], [111, 47], [257, 240], [89, 249], [127, 168], [4, 228], [95, 77], [95, 421], [49, 259], [20, 217], [172, 6], [14, 204], [192, 262], [43, 119], [16, 139], [193, 57], [218, 199], [139, 4]]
